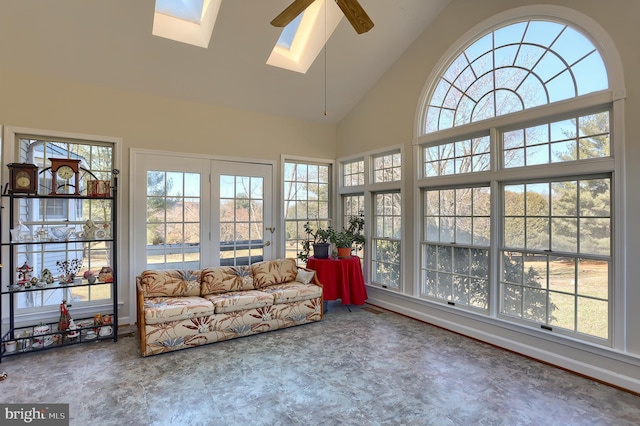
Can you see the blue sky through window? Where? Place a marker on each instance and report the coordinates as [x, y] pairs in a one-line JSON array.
[[289, 32], [187, 10]]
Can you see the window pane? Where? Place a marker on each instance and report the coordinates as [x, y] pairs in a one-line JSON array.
[[387, 234], [387, 168], [578, 138], [353, 173]]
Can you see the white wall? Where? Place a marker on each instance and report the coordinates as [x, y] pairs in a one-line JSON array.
[[386, 117]]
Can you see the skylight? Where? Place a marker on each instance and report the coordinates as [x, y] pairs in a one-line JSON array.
[[289, 32], [302, 40], [188, 10], [186, 21]]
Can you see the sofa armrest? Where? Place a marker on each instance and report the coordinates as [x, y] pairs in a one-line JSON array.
[[314, 280], [140, 314]]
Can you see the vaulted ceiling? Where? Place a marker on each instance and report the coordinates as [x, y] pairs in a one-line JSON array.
[[110, 43]]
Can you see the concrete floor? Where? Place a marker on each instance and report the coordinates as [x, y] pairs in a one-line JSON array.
[[364, 367]]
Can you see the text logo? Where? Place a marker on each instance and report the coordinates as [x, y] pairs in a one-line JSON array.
[[34, 414]]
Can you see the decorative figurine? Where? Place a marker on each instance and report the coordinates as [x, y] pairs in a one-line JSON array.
[[46, 276], [106, 274], [97, 322], [24, 272], [89, 229], [73, 330], [65, 318], [42, 234]]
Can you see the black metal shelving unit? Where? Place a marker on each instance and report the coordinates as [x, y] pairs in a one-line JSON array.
[[55, 338]]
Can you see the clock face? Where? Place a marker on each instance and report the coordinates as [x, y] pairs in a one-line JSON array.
[[23, 180], [65, 172]]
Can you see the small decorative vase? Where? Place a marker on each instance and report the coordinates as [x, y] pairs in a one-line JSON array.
[[91, 279]]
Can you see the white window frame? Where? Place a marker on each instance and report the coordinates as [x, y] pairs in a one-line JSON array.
[[332, 214], [369, 189], [11, 135], [613, 97]]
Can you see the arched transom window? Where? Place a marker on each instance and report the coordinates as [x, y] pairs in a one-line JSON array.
[[513, 68]]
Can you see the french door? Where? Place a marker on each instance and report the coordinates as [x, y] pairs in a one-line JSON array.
[[191, 213]]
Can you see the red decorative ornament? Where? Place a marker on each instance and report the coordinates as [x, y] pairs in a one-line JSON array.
[[65, 318]]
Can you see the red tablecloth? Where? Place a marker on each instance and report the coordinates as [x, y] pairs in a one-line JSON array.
[[341, 279]]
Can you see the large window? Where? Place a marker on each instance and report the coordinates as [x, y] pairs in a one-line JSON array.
[[49, 214], [520, 205], [456, 248], [306, 199], [556, 253], [371, 186]]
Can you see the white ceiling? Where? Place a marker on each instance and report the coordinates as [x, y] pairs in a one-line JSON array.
[[109, 43]]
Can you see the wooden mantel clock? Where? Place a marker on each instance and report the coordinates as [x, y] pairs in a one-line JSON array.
[[23, 178], [64, 168]]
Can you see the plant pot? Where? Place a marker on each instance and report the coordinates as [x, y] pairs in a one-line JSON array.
[[344, 252], [321, 251]]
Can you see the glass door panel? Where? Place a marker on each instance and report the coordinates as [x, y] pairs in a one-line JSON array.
[[173, 219], [242, 216], [193, 213], [241, 219]]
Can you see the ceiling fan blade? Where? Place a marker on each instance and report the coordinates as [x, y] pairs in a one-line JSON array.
[[359, 19], [290, 13]]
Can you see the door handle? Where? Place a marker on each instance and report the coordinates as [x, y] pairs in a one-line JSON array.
[[267, 243]]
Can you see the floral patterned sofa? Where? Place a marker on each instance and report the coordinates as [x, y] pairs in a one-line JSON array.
[[182, 309]]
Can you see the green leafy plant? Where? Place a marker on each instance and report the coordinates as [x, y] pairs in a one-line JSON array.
[[315, 236], [352, 234]]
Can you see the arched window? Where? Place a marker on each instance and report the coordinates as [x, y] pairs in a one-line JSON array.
[[517, 176], [512, 68]]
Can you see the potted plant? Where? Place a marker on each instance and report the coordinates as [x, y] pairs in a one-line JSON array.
[[345, 239], [320, 239]]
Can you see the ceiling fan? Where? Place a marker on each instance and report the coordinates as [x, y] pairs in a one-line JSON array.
[[356, 15]]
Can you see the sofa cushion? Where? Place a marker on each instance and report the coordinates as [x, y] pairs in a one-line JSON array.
[[164, 309], [293, 292], [170, 283], [221, 279], [305, 276], [270, 272], [239, 300]]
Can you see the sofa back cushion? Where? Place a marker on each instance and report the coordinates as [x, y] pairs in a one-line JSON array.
[[270, 272], [221, 279], [170, 283]]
